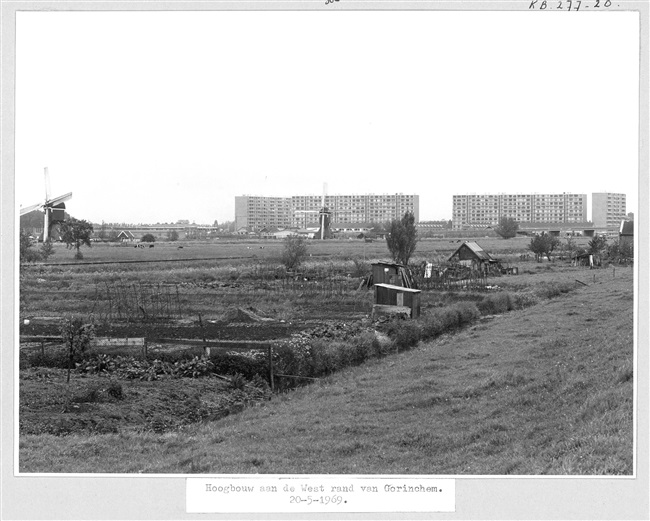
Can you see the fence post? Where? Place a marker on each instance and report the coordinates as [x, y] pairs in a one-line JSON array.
[[270, 354]]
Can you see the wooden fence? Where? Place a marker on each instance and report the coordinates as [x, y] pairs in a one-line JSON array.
[[207, 345]]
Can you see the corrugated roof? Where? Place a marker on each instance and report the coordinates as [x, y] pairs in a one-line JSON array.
[[476, 249]]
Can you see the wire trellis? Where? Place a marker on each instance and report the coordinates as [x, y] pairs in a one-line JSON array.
[[136, 302]]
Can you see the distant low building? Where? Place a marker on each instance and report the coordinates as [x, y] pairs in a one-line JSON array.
[[352, 228], [125, 236]]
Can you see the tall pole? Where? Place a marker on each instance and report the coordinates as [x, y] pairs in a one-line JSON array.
[[322, 219], [46, 222]]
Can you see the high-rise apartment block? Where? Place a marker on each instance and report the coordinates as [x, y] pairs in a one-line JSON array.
[[488, 209], [256, 212], [607, 209]]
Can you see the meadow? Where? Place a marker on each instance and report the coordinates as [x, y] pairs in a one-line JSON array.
[[535, 377]]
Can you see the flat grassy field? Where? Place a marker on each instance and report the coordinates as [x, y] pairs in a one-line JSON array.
[[242, 250], [546, 390]]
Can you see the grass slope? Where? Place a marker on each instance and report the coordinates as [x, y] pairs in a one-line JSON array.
[[545, 390]]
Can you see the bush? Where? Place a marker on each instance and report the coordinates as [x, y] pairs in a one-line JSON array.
[[361, 267], [294, 251], [553, 289], [246, 365], [51, 358], [194, 368], [115, 390], [496, 304], [409, 335], [524, 300], [325, 357], [365, 346], [238, 381], [448, 319]]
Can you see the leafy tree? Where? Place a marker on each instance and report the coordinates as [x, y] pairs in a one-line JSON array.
[[570, 247], [27, 254], [543, 245], [148, 237], [46, 250], [113, 236], [76, 336], [294, 251], [76, 233], [597, 245], [507, 227], [172, 235], [618, 250], [402, 238]]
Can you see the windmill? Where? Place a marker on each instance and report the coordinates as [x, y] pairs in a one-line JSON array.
[[323, 216], [54, 208]]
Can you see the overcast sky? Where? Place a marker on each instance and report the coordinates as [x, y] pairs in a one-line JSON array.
[[159, 116]]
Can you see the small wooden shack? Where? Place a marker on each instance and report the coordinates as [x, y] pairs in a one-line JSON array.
[[389, 295], [470, 254], [391, 273]]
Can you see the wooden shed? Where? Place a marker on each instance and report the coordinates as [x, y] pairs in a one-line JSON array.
[[391, 273], [470, 254], [391, 295]]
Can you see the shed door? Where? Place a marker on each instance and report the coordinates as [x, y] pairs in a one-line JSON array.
[[400, 299]]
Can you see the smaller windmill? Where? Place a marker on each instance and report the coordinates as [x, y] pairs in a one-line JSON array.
[[54, 208], [323, 217]]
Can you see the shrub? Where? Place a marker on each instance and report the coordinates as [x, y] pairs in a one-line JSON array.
[[524, 300], [238, 381], [405, 333], [193, 368], [294, 251], [364, 346], [468, 313], [324, 357], [248, 365], [433, 325], [115, 390], [448, 319], [496, 304], [51, 358], [553, 289], [361, 267]]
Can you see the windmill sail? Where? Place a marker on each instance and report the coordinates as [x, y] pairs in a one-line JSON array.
[[31, 208], [54, 209]]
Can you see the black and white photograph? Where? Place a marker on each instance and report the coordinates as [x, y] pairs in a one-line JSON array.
[[326, 240]]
